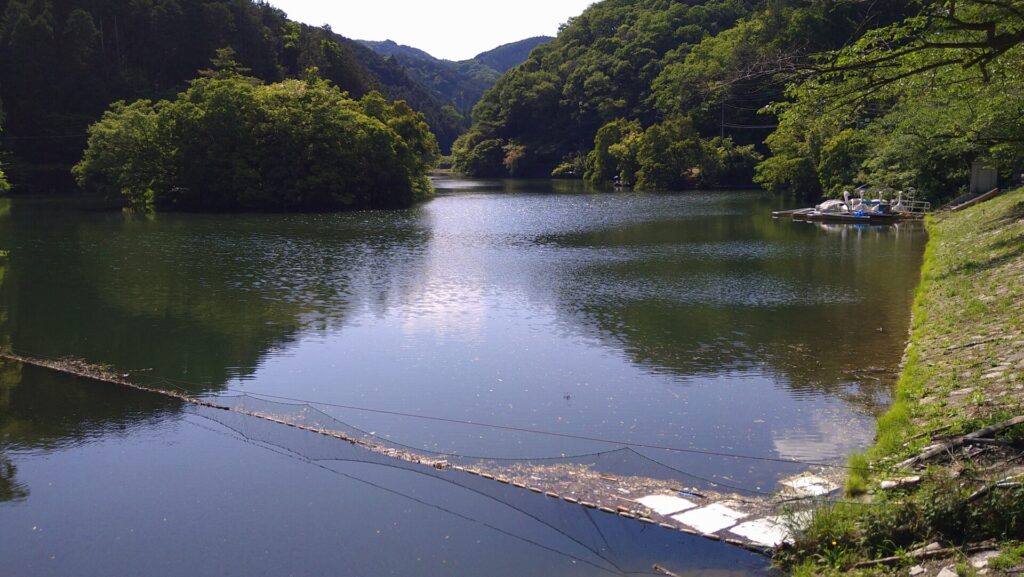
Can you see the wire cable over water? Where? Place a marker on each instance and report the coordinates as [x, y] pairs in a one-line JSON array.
[[612, 481], [175, 383]]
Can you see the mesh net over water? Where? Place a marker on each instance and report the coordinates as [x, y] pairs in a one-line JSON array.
[[606, 542], [615, 482], [619, 472]]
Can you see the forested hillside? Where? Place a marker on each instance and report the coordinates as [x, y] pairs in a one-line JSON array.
[[62, 62], [505, 57], [656, 92], [671, 94], [459, 84]]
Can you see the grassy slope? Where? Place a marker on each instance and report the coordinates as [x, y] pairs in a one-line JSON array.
[[963, 370]]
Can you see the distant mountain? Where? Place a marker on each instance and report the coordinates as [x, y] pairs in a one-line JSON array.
[[508, 56], [460, 84], [392, 48]]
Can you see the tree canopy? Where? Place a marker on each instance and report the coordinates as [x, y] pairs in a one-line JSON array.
[[4, 185], [911, 104], [689, 78], [62, 62], [231, 143]]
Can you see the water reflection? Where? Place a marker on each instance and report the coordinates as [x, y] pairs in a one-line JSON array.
[[201, 299], [690, 320], [150, 479]]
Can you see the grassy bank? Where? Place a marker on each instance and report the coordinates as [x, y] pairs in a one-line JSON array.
[[959, 484]]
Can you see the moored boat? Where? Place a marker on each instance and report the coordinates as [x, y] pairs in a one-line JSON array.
[[857, 209]]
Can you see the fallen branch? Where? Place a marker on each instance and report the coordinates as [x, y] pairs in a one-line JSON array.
[[973, 344], [1008, 483], [925, 554], [936, 450], [929, 433]]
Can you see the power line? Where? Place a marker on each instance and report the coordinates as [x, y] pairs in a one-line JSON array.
[[287, 452]]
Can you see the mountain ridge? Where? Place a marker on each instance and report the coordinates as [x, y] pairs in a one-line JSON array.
[[461, 83]]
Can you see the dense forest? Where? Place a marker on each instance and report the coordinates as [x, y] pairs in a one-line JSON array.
[[801, 96], [665, 94], [461, 83], [232, 143], [62, 62], [508, 56], [4, 185], [912, 104]]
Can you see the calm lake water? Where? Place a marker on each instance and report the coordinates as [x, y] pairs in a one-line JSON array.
[[688, 320]]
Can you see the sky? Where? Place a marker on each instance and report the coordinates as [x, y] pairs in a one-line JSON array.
[[450, 29]]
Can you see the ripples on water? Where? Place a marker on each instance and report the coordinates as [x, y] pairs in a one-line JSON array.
[[689, 319]]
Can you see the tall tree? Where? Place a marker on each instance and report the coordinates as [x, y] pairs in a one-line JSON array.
[[911, 104], [4, 185]]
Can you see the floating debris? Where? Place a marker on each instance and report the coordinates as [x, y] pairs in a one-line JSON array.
[[810, 486], [666, 505], [713, 518], [702, 512]]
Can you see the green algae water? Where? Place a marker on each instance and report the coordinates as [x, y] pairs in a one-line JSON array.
[[690, 320]]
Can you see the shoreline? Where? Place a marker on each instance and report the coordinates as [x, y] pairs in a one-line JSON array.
[[942, 488]]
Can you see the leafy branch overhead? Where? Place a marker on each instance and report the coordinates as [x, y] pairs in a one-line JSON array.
[[968, 34], [911, 104]]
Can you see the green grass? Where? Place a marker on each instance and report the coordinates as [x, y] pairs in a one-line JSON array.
[[966, 288], [970, 291], [857, 481], [1011, 556]]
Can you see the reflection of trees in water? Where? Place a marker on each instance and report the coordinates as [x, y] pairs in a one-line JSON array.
[[201, 299], [196, 298], [41, 409], [710, 295], [10, 489], [10, 377]]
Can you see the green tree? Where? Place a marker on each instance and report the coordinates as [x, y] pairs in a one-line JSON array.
[[474, 154], [128, 153], [230, 143], [910, 104], [602, 165], [723, 163], [5, 186], [667, 155]]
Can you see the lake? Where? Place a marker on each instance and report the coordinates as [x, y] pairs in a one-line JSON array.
[[686, 321]]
